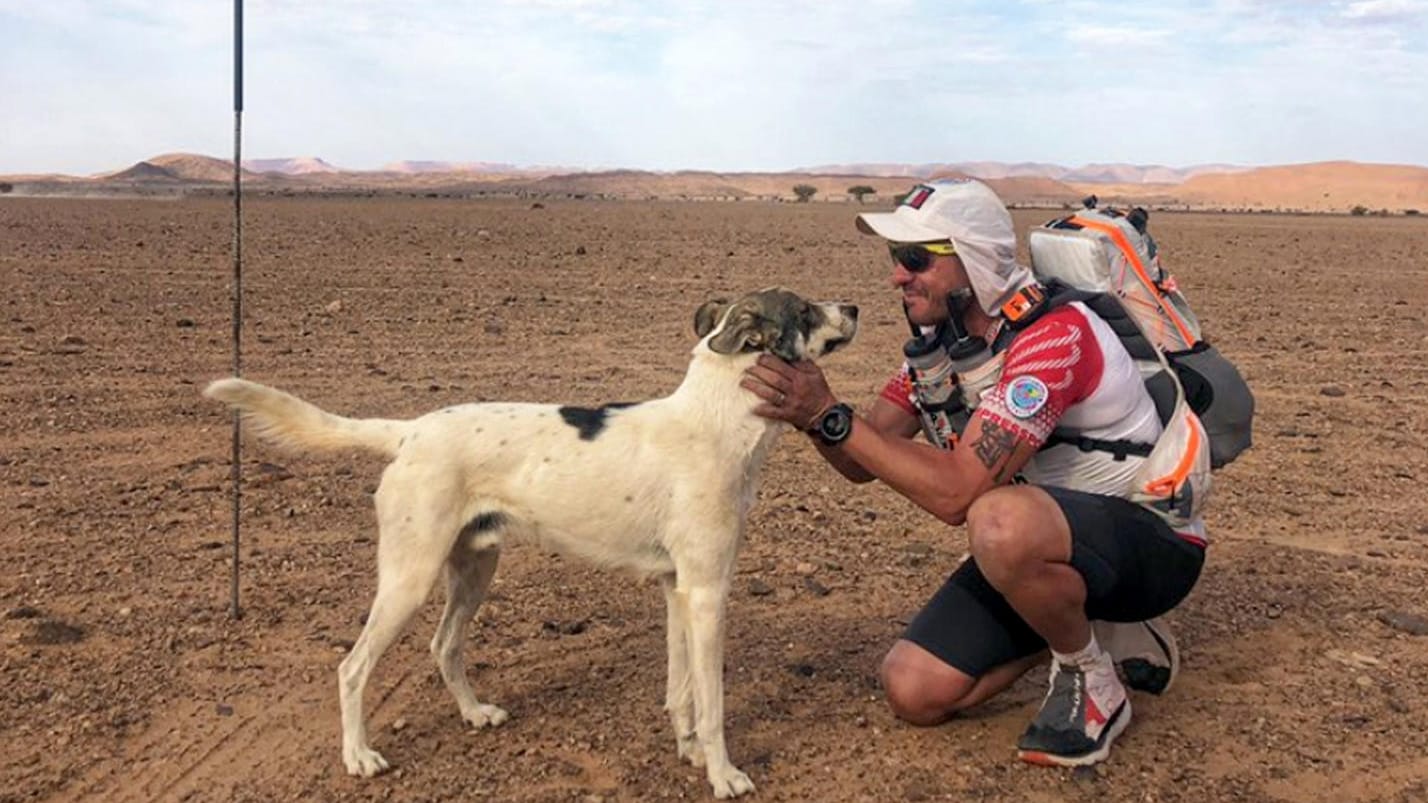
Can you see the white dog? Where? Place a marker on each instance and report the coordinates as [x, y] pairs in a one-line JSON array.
[[660, 487]]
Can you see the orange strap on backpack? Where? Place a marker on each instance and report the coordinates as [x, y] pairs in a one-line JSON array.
[[1126, 249], [1024, 302]]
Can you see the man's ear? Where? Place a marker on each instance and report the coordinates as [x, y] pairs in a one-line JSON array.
[[708, 315]]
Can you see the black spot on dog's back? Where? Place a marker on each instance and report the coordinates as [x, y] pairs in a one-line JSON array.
[[590, 422]]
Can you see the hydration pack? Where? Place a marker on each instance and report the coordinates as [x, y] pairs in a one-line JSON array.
[[1106, 252]]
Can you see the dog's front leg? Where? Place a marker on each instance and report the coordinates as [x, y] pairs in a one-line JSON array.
[[706, 647], [678, 697]]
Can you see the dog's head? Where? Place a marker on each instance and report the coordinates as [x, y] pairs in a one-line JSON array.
[[778, 321]]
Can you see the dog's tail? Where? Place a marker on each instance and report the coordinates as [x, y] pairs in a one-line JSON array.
[[290, 422]]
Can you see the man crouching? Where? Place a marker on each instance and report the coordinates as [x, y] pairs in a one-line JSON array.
[[1050, 553]]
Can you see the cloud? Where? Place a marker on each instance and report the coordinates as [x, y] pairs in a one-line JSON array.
[[1384, 10], [1117, 36], [668, 84]]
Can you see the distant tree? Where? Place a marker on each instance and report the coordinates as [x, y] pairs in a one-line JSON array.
[[1411, 212], [5, 187], [804, 192], [859, 190], [1359, 211]]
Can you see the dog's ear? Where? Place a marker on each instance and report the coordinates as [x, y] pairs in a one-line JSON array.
[[746, 330], [708, 315]]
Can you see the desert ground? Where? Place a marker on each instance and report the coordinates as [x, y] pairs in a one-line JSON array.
[[122, 676]]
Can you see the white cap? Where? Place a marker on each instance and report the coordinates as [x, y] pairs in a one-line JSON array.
[[969, 214]]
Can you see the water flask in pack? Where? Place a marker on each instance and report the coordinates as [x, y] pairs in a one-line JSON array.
[[935, 385], [935, 364]]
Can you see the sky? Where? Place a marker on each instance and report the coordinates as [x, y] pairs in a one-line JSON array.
[[725, 85]]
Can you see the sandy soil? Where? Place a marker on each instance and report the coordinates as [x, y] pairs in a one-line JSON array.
[[123, 678]]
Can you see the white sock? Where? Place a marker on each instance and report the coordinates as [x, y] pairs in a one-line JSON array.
[[1084, 658]]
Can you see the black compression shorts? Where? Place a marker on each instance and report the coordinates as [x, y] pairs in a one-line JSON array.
[[1134, 565]]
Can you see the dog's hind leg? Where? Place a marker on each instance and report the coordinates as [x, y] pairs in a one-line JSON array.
[[468, 575], [413, 545], [679, 696]]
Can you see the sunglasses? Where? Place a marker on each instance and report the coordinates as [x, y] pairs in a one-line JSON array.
[[917, 257]]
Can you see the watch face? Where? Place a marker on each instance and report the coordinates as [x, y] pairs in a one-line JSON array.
[[836, 424]]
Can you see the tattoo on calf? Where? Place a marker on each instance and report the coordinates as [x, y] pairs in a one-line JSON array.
[[995, 443]]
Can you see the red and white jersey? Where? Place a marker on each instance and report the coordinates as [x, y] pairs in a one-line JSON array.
[[1067, 370]]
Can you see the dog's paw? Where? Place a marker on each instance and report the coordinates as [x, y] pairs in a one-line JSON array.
[[730, 783], [690, 750], [484, 716], [364, 761]]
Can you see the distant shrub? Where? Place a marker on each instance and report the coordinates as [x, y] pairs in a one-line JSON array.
[[804, 192], [1411, 212], [860, 190], [5, 187], [1359, 210]]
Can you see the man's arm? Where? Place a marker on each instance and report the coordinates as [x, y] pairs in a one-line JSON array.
[[940, 481], [798, 394], [885, 417], [1050, 366]]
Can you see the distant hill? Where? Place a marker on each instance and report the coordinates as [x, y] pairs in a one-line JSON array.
[[889, 169], [143, 171], [995, 170], [419, 166], [1318, 187], [186, 167], [1091, 173], [1142, 174], [297, 166]]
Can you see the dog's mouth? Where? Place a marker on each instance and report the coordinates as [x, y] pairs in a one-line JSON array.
[[835, 344]]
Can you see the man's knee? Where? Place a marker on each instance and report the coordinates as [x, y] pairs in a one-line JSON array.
[[997, 528], [921, 689], [1012, 527]]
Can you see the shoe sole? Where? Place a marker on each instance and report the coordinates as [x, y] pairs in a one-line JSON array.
[[1118, 724]]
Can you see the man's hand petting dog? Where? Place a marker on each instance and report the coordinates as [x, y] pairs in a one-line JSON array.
[[794, 392]]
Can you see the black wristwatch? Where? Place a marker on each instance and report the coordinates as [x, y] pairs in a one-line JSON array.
[[834, 426]]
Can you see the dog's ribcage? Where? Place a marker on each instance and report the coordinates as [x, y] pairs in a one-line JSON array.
[[654, 473]]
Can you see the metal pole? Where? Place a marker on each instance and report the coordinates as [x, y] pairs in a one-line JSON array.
[[236, 610]]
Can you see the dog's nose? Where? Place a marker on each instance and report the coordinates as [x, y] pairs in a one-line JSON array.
[[850, 310]]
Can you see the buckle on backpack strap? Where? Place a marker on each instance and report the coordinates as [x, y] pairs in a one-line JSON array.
[[1024, 302]]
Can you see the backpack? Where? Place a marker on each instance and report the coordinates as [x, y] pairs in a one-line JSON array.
[[1109, 252]]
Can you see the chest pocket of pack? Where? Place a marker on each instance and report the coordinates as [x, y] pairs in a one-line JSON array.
[[1174, 480]]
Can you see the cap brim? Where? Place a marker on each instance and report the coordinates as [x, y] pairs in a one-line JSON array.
[[897, 228]]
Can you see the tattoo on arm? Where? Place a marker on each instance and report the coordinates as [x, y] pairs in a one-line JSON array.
[[994, 444]]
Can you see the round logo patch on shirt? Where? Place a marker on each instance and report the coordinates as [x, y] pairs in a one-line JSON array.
[[1025, 396]]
